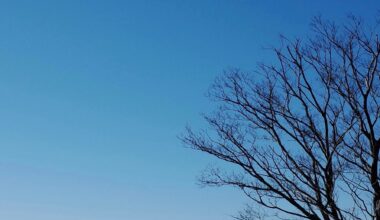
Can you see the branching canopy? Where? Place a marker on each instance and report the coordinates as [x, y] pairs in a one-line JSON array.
[[304, 131]]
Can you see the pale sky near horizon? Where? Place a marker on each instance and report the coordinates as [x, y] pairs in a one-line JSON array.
[[94, 94]]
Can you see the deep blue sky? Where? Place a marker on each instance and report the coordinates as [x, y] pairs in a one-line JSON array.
[[94, 93]]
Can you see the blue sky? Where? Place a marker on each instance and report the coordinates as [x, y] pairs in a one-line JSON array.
[[94, 94]]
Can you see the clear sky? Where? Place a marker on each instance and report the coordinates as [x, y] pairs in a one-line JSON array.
[[93, 95]]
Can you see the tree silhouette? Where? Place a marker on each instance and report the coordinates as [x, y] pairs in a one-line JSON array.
[[303, 132]]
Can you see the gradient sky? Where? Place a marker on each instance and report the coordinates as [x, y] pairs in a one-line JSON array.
[[93, 95]]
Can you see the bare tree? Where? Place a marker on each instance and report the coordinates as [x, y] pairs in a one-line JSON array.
[[303, 133]]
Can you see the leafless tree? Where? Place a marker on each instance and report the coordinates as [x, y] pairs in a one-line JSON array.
[[302, 133]]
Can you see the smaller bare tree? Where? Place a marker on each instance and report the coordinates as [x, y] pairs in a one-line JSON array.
[[252, 213]]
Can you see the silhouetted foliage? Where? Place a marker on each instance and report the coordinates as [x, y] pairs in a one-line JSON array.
[[303, 132]]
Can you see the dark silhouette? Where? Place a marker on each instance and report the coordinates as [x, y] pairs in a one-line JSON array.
[[302, 133]]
